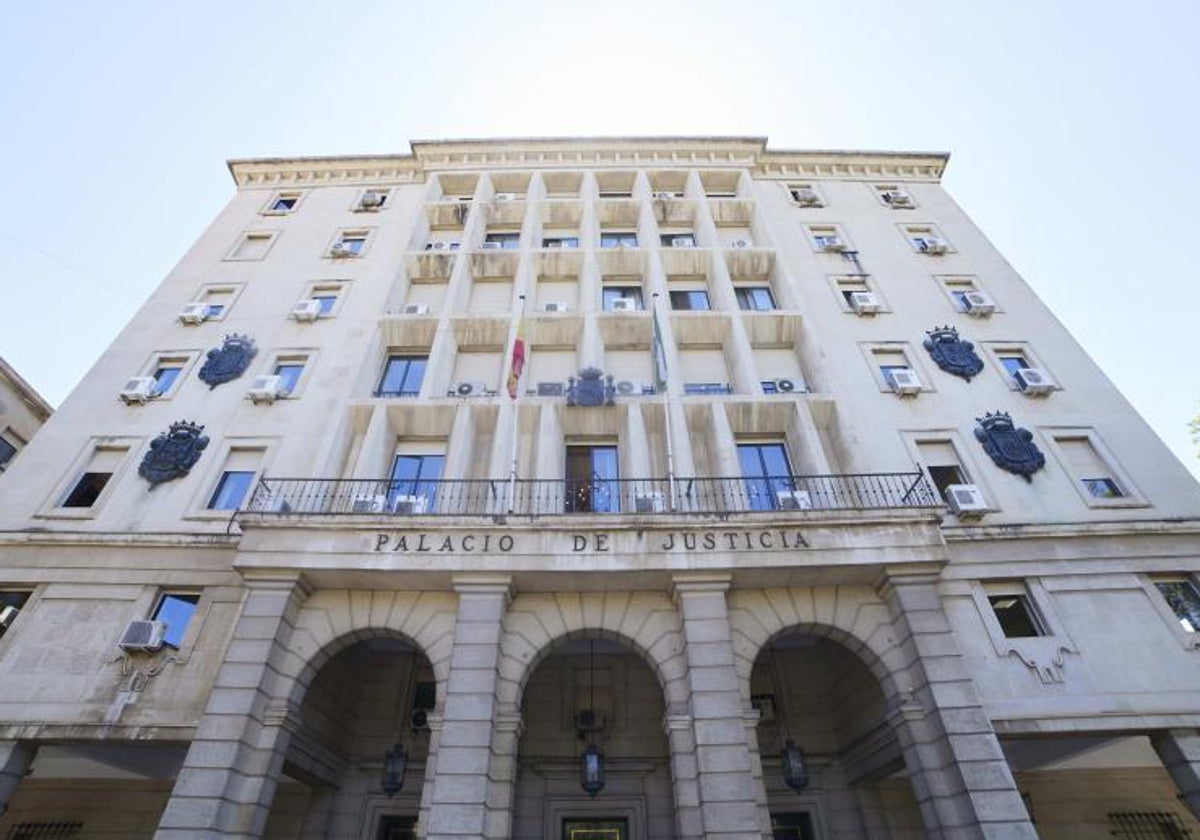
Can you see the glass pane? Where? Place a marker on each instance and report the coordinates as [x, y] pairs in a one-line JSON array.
[[326, 301], [1015, 616], [1184, 599], [413, 376], [289, 375], [176, 610], [393, 375], [1013, 363], [1102, 488], [231, 489], [7, 451], [86, 490], [164, 378]]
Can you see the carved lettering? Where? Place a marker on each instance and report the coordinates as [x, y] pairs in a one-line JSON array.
[[505, 543], [579, 542], [468, 543], [381, 541]]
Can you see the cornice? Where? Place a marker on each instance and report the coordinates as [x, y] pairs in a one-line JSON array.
[[587, 152], [26, 392], [30, 539], [1079, 530]]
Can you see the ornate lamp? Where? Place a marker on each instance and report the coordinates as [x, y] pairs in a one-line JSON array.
[[394, 764], [795, 771], [591, 771]]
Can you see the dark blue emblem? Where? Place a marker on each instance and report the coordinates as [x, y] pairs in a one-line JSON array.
[[1011, 448], [590, 388], [173, 453], [953, 354], [229, 361]]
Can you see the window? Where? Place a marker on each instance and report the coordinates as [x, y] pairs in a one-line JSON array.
[[855, 284], [678, 240], [402, 376], [941, 462], [101, 466], [827, 238], [7, 451], [693, 389], [1014, 611], [889, 372], [282, 203], [618, 239], [11, 604], [506, 241], [754, 298], [696, 299], [1183, 597], [591, 480], [253, 245], [1097, 478], [349, 244], [805, 195], [1012, 362], [289, 372], [231, 489], [327, 295], [442, 245], [164, 377], [414, 481], [926, 239], [611, 294], [218, 300], [894, 196], [560, 242], [175, 609], [766, 473], [891, 360]]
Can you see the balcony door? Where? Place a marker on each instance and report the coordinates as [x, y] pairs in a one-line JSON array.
[[413, 483], [591, 480], [766, 473]]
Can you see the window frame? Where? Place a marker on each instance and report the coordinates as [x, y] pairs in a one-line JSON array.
[[950, 284], [1132, 498], [305, 356], [186, 633], [269, 209], [997, 351], [1149, 584], [622, 235], [386, 192], [408, 356], [207, 485], [321, 288], [270, 234], [52, 507], [880, 188], [816, 232], [839, 283], [32, 595], [671, 293], [183, 359], [634, 290], [7, 437], [740, 291], [234, 291], [792, 187], [963, 454], [873, 350], [924, 230], [366, 234]]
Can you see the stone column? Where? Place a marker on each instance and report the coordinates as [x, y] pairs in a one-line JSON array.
[[15, 758], [228, 779], [681, 737], [959, 775], [463, 802], [1179, 750], [729, 795]]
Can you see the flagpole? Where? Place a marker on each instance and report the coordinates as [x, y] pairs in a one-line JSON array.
[[660, 364], [516, 419]]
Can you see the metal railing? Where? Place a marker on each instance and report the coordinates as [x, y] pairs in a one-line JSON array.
[[538, 497]]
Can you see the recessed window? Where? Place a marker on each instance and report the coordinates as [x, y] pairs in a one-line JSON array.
[[766, 475], [414, 482], [926, 239], [7, 452], [621, 298], [827, 238], [618, 239], [231, 489], [896, 372], [166, 373], [506, 241], [282, 203], [560, 242], [754, 298], [11, 604], [1016, 615], [895, 196], [289, 372], [1183, 597], [175, 609], [402, 376], [218, 300], [678, 240], [94, 477], [592, 481], [857, 294], [689, 300], [805, 195], [349, 244], [1086, 465], [253, 245], [1012, 362], [442, 245]]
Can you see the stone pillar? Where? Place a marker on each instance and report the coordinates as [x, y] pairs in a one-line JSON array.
[[960, 778], [729, 795], [681, 738], [228, 779], [463, 802], [15, 758], [1179, 750]]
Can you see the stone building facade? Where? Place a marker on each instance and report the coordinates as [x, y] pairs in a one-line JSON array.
[[300, 521]]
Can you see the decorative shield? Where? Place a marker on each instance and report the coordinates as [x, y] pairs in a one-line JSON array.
[[173, 453], [1010, 447], [229, 361], [590, 388], [953, 354]]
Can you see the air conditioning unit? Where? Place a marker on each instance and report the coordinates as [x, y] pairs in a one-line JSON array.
[[555, 307], [588, 720], [470, 389], [410, 505], [806, 197], [965, 500], [934, 245], [371, 200], [793, 500], [649, 502], [265, 389], [138, 390], [143, 636], [741, 243], [683, 242], [1033, 381], [274, 502], [439, 246], [194, 313], [340, 250], [550, 389], [897, 198], [307, 310], [416, 309], [7, 616], [368, 503], [905, 382], [665, 194], [864, 303], [979, 304], [492, 246], [507, 196], [624, 305], [785, 386], [832, 243], [625, 387]]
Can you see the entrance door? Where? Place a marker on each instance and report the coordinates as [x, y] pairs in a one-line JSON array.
[[592, 480], [397, 828], [595, 829], [765, 473]]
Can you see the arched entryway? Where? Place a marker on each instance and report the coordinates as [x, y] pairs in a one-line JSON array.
[[596, 690]]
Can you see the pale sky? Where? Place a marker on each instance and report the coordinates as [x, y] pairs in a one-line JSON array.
[[1072, 128]]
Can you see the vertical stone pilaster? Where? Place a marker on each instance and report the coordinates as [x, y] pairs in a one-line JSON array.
[[750, 718], [462, 800], [434, 722], [961, 780], [1179, 751], [681, 738], [228, 779], [15, 758], [729, 796]]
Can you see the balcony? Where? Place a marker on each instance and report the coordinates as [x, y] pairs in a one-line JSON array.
[[538, 498]]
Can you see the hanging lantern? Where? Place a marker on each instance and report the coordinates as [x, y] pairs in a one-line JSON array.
[[394, 765], [592, 775], [795, 773]]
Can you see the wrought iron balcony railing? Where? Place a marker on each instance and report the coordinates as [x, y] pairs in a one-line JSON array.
[[525, 497]]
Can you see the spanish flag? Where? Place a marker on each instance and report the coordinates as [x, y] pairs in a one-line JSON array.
[[518, 360]]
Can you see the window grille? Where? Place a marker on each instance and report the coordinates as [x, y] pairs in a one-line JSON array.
[[1147, 825], [45, 831]]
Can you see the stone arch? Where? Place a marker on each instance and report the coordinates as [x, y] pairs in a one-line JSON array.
[[852, 616], [647, 622]]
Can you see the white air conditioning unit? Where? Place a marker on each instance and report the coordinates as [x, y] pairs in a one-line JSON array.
[[470, 389], [507, 196], [664, 194], [965, 500], [793, 500], [864, 303], [371, 200], [934, 245], [785, 386], [555, 307], [1033, 381], [306, 310], [368, 503], [143, 636], [274, 503], [492, 246], [905, 382], [410, 505], [439, 246], [897, 198], [741, 243], [7, 616], [979, 304], [416, 309], [832, 243], [806, 197], [265, 389], [683, 242], [626, 387], [194, 313], [624, 305], [649, 502], [340, 250], [138, 390]]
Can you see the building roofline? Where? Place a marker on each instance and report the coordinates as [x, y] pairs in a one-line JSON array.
[[27, 392]]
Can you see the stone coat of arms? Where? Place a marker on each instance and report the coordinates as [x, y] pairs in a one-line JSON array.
[[173, 453], [590, 388], [953, 354], [229, 361], [1012, 448]]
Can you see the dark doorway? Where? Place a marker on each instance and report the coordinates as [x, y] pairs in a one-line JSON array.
[[595, 829]]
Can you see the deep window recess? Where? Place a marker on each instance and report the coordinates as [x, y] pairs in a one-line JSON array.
[[1183, 598], [164, 377], [415, 476], [289, 375], [284, 204], [87, 490], [7, 451], [766, 473], [402, 376], [889, 372], [176, 609], [231, 489], [678, 240], [690, 300], [1016, 616], [945, 475], [591, 480], [618, 239], [754, 298], [610, 294], [560, 242], [504, 240], [1013, 362]]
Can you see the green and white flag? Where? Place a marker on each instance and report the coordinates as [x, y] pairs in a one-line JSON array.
[[660, 355]]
